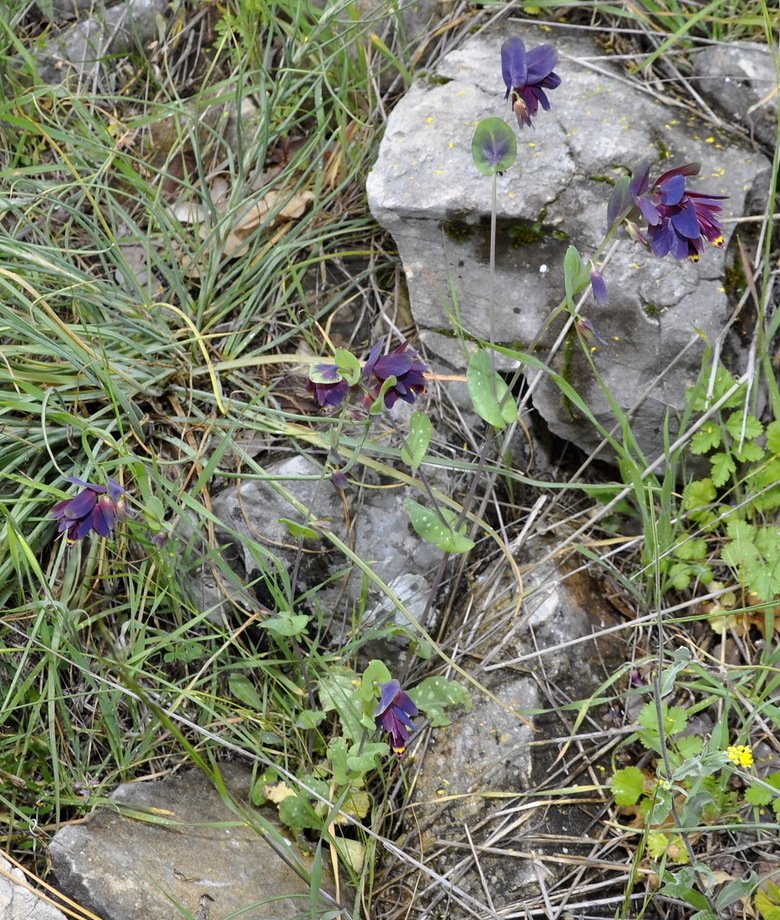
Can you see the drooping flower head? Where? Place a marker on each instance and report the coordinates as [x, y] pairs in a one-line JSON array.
[[394, 713], [678, 219], [526, 76], [95, 508], [328, 385], [404, 365], [333, 383]]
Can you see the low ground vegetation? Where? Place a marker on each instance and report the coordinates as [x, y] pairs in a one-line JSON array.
[[191, 286]]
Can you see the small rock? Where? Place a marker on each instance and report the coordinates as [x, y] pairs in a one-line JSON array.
[[82, 50], [192, 854], [19, 900], [739, 80], [379, 532]]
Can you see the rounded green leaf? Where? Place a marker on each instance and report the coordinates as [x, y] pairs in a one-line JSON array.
[[494, 146], [627, 785]]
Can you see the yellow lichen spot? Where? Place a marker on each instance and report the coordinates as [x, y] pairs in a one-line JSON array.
[[741, 755], [430, 119], [709, 140], [531, 144], [451, 144], [439, 172], [461, 92]]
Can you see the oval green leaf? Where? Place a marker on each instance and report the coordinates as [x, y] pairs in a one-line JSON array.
[[494, 146], [489, 393]]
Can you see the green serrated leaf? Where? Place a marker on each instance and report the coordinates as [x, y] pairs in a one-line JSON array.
[[723, 468], [628, 785], [773, 437], [740, 426], [750, 452], [417, 440], [438, 528], [706, 438], [489, 393], [757, 795], [767, 903]]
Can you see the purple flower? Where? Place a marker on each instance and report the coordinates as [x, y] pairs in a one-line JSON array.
[[329, 388], [393, 714], [402, 364], [599, 287], [589, 332], [94, 508], [678, 219], [526, 76]]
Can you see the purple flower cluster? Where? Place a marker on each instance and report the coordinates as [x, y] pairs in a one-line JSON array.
[[526, 76], [95, 508], [394, 713], [406, 375], [678, 219]]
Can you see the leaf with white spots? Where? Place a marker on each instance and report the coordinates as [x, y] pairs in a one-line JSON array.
[[438, 527]]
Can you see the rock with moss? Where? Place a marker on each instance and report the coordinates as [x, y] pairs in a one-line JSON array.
[[660, 314]]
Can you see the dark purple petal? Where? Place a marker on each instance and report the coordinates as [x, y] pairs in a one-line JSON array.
[[114, 489], [649, 211], [541, 62], [689, 169], [620, 202], [672, 190], [329, 395], [388, 693], [373, 357], [80, 505], [87, 485], [393, 714], [686, 221], [393, 365], [640, 181], [103, 516], [599, 288], [94, 508], [79, 529], [514, 66]]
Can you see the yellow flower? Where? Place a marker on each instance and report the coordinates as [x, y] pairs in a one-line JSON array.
[[741, 754]]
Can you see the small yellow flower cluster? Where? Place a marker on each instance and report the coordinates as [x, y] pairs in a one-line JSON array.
[[741, 754]]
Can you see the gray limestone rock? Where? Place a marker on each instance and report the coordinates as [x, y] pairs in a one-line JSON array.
[[83, 49], [537, 659], [426, 191], [21, 901], [739, 80], [373, 522], [192, 853]]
